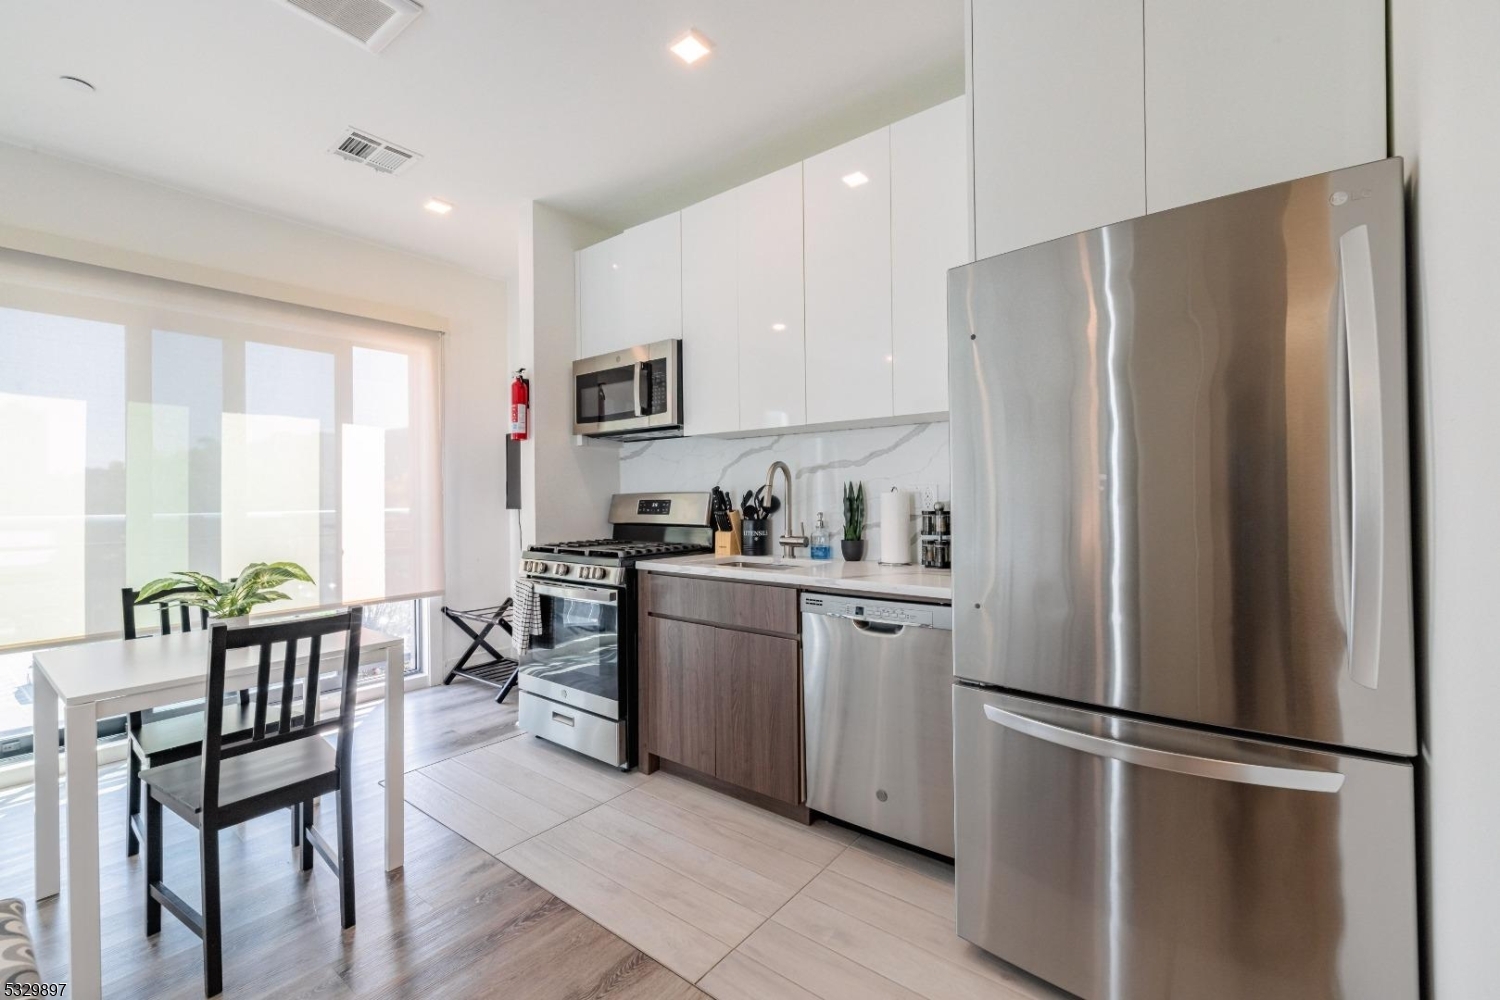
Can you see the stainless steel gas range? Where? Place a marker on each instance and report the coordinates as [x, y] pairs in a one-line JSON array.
[[578, 672]]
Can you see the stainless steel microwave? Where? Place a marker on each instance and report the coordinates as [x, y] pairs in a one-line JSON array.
[[631, 394]]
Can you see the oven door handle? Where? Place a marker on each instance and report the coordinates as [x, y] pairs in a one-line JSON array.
[[588, 595]]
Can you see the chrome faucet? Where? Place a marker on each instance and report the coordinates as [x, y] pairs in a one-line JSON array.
[[789, 543]]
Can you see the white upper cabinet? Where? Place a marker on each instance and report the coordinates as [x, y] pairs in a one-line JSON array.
[[929, 235], [847, 216], [600, 298], [710, 315], [1240, 95], [630, 288], [652, 282], [773, 366], [1059, 117]]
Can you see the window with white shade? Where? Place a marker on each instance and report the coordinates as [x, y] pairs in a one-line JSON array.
[[148, 426]]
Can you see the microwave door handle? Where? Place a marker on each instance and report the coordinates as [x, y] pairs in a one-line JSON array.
[[1292, 778], [643, 389], [1366, 422]]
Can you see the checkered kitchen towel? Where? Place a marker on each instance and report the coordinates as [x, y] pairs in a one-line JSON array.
[[526, 616]]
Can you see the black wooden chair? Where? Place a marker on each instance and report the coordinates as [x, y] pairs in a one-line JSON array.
[[235, 781], [166, 736]]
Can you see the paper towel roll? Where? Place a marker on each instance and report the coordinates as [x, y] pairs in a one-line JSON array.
[[895, 528]]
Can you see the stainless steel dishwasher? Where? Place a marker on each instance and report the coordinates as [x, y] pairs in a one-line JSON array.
[[877, 681]]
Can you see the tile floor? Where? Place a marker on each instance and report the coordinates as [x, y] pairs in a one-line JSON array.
[[741, 902]]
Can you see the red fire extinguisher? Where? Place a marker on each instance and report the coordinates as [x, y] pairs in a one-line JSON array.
[[520, 397]]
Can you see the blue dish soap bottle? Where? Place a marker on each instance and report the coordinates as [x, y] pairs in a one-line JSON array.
[[822, 540]]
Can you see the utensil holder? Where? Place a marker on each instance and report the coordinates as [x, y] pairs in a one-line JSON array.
[[756, 535]]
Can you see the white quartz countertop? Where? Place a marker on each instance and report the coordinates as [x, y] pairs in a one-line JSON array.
[[814, 574]]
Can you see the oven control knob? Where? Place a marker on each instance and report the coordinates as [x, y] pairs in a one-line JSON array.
[[593, 573], [562, 569]]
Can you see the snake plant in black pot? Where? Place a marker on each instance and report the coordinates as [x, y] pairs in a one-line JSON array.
[[853, 545]]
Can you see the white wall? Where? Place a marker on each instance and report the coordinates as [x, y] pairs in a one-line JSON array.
[[1446, 103], [66, 209], [567, 484]]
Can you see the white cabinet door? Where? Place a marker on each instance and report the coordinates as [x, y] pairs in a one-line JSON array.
[[652, 285], [929, 235], [600, 297], [710, 315], [1240, 95], [846, 200], [773, 365], [1059, 131]]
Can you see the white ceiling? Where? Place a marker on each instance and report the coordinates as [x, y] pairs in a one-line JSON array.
[[574, 102]]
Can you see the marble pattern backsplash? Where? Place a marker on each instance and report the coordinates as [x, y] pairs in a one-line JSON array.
[[906, 456]]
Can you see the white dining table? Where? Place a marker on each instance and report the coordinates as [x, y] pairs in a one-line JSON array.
[[100, 680]]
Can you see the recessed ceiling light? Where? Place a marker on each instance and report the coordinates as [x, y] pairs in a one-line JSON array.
[[855, 179], [691, 47], [78, 83], [778, 327], [438, 206]]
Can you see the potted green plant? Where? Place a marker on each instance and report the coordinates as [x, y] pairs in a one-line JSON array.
[[853, 545], [228, 601]]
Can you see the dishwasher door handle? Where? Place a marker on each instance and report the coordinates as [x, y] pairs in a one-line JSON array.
[[877, 628]]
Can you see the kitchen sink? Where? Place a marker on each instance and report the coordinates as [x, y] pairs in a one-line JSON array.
[[742, 564]]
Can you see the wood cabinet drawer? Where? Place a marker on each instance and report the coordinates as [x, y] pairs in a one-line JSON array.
[[721, 602]]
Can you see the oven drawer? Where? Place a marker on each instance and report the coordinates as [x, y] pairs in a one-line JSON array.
[[600, 738]]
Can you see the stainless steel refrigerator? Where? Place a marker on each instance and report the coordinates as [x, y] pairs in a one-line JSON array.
[[1185, 712]]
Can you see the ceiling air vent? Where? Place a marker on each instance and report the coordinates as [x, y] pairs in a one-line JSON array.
[[370, 23], [360, 146]]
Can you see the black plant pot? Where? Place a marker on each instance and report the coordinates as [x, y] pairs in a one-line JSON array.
[[854, 549]]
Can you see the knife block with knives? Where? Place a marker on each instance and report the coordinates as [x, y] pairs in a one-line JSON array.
[[726, 523], [727, 543]]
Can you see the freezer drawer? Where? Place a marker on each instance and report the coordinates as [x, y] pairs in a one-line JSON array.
[[877, 704], [1124, 860]]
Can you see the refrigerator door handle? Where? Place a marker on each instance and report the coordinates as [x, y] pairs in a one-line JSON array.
[[1292, 778], [1366, 456]]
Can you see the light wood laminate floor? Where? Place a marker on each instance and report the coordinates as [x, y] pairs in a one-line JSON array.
[[455, 923], [744, 903]]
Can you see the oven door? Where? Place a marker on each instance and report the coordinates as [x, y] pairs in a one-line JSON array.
[[630, 391], [576, 658]]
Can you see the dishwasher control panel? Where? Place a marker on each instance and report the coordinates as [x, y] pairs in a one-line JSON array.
[[883, 612]]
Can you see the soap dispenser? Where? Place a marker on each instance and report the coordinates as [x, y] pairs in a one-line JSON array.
[[822, 540]]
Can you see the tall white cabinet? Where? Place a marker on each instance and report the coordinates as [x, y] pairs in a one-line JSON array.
[[1059, 118], [1240, 95], [772, 359], [846, 206], [711, 316], [1086, 112], [929, 235]]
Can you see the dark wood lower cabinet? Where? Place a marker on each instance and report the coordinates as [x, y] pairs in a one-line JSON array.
[[721, 700], [757, 694], [678, 684]]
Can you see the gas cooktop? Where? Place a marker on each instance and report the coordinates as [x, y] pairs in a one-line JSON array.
[[610, 548], [646, 526]]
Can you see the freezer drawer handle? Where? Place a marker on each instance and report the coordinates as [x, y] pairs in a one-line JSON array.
[[1294, 778]]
